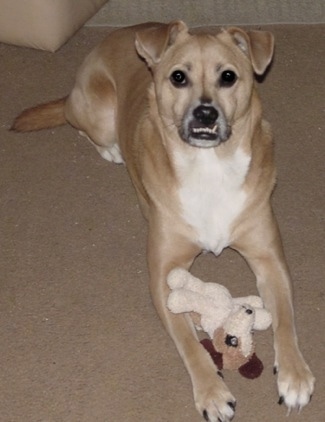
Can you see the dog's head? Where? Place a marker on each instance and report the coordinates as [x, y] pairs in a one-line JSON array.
[[203, 83]]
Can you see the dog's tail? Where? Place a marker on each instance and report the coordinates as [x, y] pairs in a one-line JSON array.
[[43, 116]]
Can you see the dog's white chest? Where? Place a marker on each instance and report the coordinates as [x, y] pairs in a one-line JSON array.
[[211, 195]]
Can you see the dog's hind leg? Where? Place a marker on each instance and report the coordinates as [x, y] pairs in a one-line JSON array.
[[109, 153], [166, 251], [91, 108]]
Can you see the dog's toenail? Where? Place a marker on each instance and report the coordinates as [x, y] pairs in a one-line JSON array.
[[232, 404], [281, 400], [205, 415], [275, 370], [220, 374]]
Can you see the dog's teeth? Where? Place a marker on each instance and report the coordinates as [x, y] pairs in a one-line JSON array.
[[205, 129]]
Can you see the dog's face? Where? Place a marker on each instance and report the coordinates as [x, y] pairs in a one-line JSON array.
[[203, 83]]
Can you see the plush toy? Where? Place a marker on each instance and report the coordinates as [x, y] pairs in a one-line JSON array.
[[229, 322]]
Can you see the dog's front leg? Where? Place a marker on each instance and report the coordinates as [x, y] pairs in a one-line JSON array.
[[166, 251], [262, 247]]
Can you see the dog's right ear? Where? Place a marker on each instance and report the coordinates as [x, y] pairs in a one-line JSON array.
[[257, 45], [153, 41]]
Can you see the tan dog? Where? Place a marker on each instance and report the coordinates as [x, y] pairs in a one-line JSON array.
[[182, 111]]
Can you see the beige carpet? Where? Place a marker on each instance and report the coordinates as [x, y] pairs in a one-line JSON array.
[[211, 12], [79, 338]]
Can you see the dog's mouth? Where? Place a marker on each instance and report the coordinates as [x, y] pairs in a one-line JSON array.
[[204, 127], [201, 132]]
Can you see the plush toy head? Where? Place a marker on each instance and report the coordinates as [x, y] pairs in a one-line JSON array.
[[228, 321], [234, 339]]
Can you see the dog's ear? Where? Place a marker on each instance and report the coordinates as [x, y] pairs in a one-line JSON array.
[[153, 41], [257, 45]]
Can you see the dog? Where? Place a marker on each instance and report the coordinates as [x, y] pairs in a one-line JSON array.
[[180, 108]]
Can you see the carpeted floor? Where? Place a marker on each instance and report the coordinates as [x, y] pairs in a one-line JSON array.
[[79, 338]]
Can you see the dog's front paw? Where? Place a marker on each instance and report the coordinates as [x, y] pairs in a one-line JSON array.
[[214, 401], [295, 383]]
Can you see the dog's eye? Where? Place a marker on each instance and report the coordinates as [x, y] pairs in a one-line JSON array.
[[228, 78], [178, 78]]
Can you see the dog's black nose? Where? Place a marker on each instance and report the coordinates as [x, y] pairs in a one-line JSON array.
[[207, 115]]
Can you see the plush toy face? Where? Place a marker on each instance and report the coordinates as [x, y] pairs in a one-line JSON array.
[[239, 327], [234, 339], [231, 348]]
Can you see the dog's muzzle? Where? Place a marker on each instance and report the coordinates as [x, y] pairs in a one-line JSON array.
[[205, 126]]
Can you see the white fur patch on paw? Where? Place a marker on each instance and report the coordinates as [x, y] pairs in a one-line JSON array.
[[112, 154], [295, 388], [216, 403]]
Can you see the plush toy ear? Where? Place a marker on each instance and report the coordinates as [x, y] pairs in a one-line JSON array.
[[153, 41], [216, 356], [252, 369], [257, 45], [263, 319]]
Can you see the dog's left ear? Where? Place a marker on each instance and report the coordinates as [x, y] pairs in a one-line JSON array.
[[153, 41], [257, 45]]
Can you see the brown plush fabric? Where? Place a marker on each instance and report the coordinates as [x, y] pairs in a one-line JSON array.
[[79, 338]]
